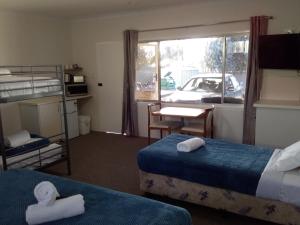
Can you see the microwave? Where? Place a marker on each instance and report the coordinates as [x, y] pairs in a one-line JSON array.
[[76, 89]]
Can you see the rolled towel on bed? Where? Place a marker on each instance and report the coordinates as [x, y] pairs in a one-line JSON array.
[[45, 193], [17, 139], [190, 144], [62, 208]]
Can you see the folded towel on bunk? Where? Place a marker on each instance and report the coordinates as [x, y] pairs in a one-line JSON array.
[[20, 138], [62, 208], [190, 144], [45, 193]]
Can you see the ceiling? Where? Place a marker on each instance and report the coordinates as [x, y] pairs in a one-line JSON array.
[[84, 8]]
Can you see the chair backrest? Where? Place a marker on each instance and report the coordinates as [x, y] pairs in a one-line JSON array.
[[209, 119], [151, 107]]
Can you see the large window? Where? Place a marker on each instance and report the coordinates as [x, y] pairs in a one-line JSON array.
[[195, 70]]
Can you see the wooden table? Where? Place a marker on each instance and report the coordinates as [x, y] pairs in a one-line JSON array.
[[184, 112], [180, 112]]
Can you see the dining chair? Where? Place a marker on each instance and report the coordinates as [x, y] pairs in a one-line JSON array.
[[205, 129], [159, 123]]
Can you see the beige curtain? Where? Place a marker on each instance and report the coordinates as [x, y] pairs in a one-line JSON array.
[[129, 116], [258, 26]]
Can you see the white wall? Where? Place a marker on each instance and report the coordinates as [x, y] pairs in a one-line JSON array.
[[277, 127], [31, 40], [87, 34]]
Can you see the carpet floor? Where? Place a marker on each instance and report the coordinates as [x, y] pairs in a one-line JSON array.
[[109, 160]]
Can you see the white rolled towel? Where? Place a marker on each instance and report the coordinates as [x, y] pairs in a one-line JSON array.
[[20, 138], [62, 208], [45, 193], [190, 144]]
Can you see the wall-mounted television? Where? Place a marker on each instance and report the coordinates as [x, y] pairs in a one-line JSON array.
[[281, 51]]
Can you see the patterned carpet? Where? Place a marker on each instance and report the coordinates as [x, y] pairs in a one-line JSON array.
[[109, 160]]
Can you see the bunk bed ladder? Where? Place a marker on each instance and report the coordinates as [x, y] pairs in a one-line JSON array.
[[65, 120], [2, 146]]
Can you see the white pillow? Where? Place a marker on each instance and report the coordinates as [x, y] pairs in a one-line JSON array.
[[4, 71], [289, 158]]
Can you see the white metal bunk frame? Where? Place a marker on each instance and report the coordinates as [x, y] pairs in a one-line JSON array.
[[33, 71]]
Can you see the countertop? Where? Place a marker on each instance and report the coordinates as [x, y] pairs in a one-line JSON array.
[[277, 104]]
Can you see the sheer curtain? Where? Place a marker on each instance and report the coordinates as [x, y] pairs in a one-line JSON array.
[[129, 115], [258, 26]]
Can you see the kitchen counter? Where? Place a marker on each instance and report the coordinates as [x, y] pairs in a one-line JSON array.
[[78, 97], [277, 104]]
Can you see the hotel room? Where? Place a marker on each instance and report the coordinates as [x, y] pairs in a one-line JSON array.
[[162, 112]]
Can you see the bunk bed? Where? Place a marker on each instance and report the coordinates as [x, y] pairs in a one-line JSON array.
[[21, 83]]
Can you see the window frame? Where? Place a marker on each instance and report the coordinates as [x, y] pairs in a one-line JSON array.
[[224, 36]]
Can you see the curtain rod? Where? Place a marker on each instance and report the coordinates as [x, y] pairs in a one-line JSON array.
[[201, 25]]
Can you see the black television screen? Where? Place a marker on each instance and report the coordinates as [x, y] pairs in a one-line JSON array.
[[280, 51]]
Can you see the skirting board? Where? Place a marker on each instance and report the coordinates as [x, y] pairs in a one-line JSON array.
[[242, 204]]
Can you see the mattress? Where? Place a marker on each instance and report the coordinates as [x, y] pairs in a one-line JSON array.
[[33, 156], [27, 85], [219, 163], [102, 206]]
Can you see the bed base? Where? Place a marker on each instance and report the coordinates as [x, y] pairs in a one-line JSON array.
[[242, 204]]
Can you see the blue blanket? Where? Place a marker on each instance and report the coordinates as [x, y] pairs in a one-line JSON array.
[[219, 163], [43, 142], [103, 206]]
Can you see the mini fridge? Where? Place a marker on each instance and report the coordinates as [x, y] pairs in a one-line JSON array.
[[72, 118]]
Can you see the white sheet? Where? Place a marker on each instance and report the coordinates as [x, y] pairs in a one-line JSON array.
[[44, 154], [35, 85], [277, 185]]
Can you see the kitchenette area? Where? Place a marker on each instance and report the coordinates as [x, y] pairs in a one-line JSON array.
[[44, 116]]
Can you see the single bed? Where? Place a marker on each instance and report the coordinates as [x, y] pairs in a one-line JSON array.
[[102, 206], [221, 175]]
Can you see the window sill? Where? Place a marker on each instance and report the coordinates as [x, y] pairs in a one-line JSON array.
[[195, 105]]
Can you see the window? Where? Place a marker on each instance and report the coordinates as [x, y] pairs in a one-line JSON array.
[[147, 72], [194, 70]]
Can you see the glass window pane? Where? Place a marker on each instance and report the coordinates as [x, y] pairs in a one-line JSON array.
[[236, 68], [191, 70], [147, 72]]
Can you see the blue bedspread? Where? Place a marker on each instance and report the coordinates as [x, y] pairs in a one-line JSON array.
[[103, 206], [219, 163], [43, 142]]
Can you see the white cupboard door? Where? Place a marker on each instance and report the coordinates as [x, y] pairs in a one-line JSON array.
[[73, 129], [50, 119]]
